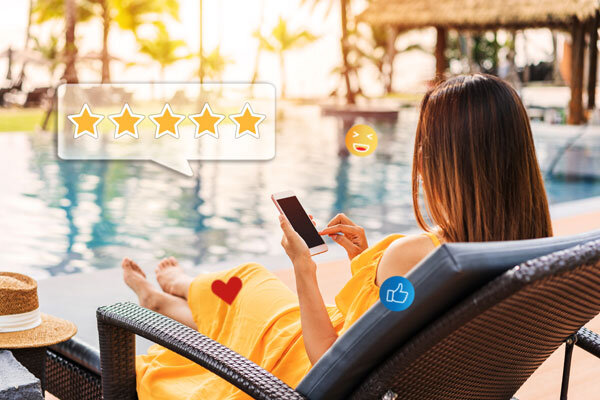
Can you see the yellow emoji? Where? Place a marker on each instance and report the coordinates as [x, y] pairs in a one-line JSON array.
[[361, 140]]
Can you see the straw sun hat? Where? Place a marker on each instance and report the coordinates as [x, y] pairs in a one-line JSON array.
[[22, 325]]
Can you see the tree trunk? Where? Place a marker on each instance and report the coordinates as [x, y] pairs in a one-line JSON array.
[[201, 69], [593, 60], [350, 99], [70, 74], [282, 72], [259, 48], [441, 63], [390, 55], [576, 102], [105, 31], [556, 78], [27, 38]]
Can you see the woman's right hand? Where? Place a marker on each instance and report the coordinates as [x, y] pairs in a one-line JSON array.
[[353, 237]]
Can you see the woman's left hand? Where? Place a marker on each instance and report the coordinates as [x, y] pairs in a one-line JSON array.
[[294, 245]]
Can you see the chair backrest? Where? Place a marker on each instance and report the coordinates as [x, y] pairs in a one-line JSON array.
[[488, 346], [447, 276]]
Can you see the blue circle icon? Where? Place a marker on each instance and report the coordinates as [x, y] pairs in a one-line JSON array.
[[397, 293]]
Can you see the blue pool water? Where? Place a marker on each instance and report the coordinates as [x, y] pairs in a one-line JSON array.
[[60, 217]]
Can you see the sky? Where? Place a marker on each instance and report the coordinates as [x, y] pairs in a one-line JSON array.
[[230, 23]]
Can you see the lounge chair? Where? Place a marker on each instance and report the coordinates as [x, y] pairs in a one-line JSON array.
[[477, 330]]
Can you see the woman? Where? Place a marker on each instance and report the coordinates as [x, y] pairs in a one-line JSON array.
[[475, 157]]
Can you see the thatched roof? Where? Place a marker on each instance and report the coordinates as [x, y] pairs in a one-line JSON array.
[[478, 14]]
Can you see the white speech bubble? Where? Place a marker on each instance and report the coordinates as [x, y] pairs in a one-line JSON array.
[[168, 123]]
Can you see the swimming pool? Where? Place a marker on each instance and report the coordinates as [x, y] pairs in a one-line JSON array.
[[60, 217]]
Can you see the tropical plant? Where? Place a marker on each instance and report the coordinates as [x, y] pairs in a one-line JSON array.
[[130, 15], [346, 68], [162, 49], [280, 40], [381, 51], [50, 51], [72, 12], [479, 52], [214, 64]]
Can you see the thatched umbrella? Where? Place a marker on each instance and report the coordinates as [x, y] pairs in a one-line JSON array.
[[580, 17]]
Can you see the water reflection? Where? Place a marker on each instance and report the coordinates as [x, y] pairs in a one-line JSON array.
[[67, 216]]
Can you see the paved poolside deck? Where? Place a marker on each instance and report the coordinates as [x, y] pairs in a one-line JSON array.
[[76, 297]]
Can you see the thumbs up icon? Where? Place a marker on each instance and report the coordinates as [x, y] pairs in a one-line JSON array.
[[396, 295]]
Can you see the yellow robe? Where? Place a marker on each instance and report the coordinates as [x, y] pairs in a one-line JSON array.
[[262, 324]]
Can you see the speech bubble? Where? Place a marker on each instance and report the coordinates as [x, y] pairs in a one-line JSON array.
[[167, 123]]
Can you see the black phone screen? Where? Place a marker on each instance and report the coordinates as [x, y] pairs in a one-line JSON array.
[[300, 221]]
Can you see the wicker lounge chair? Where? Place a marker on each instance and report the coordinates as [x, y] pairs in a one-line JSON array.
[[484, 346]]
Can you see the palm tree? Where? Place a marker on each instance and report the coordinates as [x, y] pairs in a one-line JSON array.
[[129, 15], [162, 49], [344, 44], [213, 65], [281, 40], [50, 51], [382, 51], [70, 74], [71, 12]]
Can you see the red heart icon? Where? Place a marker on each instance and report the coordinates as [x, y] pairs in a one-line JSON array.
[[227, 291]]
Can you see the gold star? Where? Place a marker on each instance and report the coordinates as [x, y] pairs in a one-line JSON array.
[[85, 122], [206, 122], [126, 122], [247, 122], [166, 122]]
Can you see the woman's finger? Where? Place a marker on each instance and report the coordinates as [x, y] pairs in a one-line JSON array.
[[312, 219], [348, 229], [344, 242], [286, 227], [340, 219]]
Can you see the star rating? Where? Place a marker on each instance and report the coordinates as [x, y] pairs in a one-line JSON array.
[[206, 122], [166, 122], [247, 122], [85, 122], [126, 122]]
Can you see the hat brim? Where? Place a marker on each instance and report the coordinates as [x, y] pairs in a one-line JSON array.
[[52, 330]]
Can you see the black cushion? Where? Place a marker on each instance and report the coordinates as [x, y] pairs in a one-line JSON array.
[[445, 277]]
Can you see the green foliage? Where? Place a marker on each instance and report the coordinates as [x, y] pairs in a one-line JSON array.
[[483, 53], [130, 15], [214, 64], [47, 10], [281, 39], [162, 49], [50, 50]]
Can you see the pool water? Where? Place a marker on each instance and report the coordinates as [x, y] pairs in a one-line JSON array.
[[61, 217]]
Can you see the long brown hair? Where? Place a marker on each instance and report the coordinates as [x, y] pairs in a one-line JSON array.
[[474, 152]]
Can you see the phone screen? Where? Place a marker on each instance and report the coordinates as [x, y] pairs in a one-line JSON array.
[[300, 221]]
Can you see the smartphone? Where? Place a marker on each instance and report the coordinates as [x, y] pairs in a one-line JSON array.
[[288, 204]]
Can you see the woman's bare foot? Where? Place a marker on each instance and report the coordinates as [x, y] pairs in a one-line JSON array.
[[135, 278], [172, 279], [154, 299]]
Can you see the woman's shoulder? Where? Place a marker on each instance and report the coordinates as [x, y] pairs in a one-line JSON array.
[[404, 253]]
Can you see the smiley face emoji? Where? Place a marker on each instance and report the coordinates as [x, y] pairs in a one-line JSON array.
[[361, 140]]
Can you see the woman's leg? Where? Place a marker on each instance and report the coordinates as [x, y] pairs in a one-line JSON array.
[[172, 279], [164, 303]]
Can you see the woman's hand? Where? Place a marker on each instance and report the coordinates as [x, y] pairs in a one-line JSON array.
[[295, 247], [353, 239]]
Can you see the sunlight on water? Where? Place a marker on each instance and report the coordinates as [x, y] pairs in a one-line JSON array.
[[68, 216]]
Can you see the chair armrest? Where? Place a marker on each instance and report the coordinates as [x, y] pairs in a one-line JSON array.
[[117, 325], [589, 341]]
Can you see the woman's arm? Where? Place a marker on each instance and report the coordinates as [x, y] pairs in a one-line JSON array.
[[317, 329], [402, 255]]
